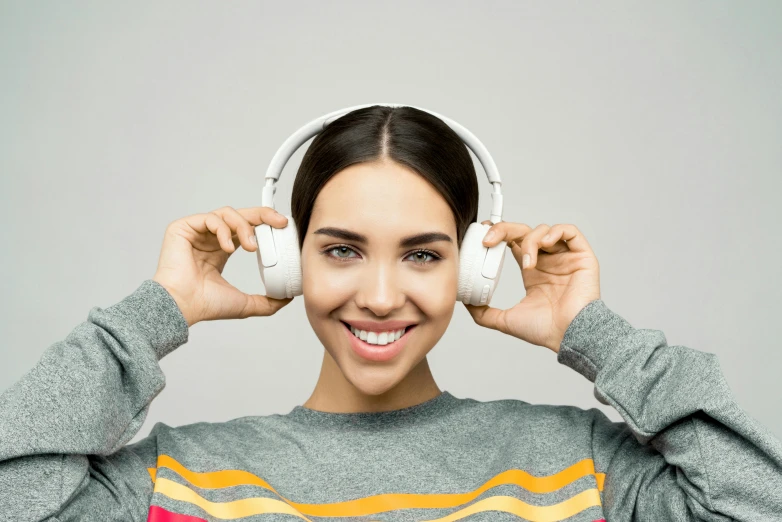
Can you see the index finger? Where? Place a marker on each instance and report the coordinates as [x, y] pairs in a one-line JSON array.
[[506, 231], [260, 215], [516, 232]]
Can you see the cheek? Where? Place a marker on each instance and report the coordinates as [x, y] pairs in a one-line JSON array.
[[322, 296], [435, 297], [435, 293], [323, 287], [323, 280]]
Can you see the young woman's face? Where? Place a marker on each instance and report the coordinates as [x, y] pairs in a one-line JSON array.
[[380, 278]]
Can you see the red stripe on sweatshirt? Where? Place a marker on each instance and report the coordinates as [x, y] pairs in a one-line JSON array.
[[158, 514]]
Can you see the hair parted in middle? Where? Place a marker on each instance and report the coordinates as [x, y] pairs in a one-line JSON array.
[[413, 138]]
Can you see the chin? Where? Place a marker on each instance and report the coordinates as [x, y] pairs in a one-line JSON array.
[[373, 381]]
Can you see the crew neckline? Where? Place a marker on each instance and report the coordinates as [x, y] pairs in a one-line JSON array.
[[427, 409]]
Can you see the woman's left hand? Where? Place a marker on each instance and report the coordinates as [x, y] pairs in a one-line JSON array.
[[563, 276]]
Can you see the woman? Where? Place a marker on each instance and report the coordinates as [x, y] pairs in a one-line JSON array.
[[378, 439]]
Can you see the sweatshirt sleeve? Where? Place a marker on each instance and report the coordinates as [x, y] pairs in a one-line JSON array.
[[65, 424], [686, 451]]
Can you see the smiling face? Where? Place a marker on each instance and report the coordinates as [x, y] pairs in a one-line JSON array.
[[380, 279]]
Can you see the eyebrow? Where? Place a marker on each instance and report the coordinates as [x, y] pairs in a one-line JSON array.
[[405, 242]]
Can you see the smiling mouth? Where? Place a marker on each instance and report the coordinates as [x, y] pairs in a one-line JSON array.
[[378, 338]]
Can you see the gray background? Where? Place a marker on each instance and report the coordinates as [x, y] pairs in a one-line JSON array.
[[654, 127]]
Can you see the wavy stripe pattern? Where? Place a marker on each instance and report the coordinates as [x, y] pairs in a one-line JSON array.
[[385, 502], [248, 507]]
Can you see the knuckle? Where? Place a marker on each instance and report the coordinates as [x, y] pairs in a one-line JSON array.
[[178, 225]]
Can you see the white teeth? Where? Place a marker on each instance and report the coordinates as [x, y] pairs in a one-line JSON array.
[[381, 338]]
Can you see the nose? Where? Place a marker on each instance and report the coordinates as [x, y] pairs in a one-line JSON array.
[[379, 290]]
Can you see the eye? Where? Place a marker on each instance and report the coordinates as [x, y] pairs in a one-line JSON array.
[[342, 249], [341, 253], [434, 257]]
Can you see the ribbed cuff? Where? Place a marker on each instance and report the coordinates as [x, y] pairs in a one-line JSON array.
[[152, 309], [593, 335]]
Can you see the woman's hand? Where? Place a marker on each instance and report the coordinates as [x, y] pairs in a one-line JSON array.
[[194, 253], [561, 279]]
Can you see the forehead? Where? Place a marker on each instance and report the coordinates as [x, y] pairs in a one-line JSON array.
[[381, 199]]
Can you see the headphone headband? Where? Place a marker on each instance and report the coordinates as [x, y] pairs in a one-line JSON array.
[[298, 138]]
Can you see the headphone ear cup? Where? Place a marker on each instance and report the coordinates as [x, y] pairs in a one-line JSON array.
[[468, 254], [280, 248], [475, 262], [291, 257]]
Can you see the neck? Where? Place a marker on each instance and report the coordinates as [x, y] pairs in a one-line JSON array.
[[333, 393]]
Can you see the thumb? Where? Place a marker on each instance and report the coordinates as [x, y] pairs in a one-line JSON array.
[[488, 317], [263, 306]]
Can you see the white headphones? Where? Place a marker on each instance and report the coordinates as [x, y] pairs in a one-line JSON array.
[[279, 258]]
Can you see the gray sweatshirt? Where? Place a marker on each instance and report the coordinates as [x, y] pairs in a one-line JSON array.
[[686, 450]]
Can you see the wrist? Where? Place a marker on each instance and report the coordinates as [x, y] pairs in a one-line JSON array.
[[151, 312], [592, 338], [178, 299], [555, 343]]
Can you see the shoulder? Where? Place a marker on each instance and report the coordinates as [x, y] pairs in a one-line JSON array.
[[514, 412], [226, 432]]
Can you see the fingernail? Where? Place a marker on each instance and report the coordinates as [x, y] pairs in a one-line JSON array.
[[525, 261], [489, 235], [253, 240]]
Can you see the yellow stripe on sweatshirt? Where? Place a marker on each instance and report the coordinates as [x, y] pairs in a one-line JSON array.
[[388, 501], [245, 507], [257, 506]]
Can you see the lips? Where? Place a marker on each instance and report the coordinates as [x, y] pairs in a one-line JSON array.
[[373, 352]]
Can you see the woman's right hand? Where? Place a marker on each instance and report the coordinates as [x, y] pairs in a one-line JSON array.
[[194, 253]]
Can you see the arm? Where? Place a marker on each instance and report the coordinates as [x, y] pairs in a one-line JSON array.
[[64, 424], [687, 450]]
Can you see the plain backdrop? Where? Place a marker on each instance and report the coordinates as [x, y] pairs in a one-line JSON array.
[[654, 127]]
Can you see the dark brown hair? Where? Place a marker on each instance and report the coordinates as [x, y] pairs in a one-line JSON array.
[[411, 137]]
